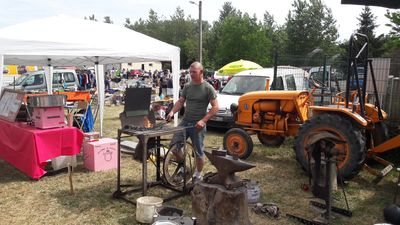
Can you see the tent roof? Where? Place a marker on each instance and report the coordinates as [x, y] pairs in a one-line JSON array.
[[72, 41]]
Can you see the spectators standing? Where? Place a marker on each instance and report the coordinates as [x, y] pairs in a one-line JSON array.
[[107, 80], [170, 87], [124, 74]]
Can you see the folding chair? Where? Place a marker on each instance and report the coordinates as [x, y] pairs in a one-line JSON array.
[[80, 113]]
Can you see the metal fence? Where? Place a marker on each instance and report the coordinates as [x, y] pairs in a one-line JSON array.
[[332, 71]]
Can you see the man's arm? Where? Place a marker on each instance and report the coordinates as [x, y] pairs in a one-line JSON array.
[[211, 113], [177, 106]]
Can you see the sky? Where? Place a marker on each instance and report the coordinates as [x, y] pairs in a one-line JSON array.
[[16, 11]]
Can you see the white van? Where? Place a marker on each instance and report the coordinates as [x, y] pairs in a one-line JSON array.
[[288, 78], [36, 81]]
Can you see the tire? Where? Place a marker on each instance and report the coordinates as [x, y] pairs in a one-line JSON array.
[[354, 151], [238, 142], [270, 140], [171, 166]]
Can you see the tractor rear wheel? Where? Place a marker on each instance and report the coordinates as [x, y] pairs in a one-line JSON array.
[[351, 154], [237, 142], [270, 140]]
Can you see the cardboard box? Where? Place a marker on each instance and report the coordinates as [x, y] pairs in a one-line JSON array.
[[100, 155], [45, 118], [61, 162]]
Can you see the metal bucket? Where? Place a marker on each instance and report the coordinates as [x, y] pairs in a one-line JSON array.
[[253, 191], [146, 208], [47, 101]]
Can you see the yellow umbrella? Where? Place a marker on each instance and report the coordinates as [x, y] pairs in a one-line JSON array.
[[238, 66]]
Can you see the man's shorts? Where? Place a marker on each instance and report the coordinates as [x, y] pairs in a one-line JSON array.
[[196, 136]]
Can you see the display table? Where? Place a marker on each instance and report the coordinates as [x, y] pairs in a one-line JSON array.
[[28, 148]]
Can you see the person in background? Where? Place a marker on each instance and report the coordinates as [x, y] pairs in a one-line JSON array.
[[170, 87], [197, 95], [107, 80], [182, 80], [188, 79], [118, 73], [124, 74]]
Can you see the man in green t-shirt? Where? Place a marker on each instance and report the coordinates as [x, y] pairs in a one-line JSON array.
[[197, 94]]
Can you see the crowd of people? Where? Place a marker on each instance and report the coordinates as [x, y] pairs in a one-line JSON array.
[[160, 80], [87, 79]]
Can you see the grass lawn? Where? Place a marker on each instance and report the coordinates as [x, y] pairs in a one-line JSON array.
[[47, 201]]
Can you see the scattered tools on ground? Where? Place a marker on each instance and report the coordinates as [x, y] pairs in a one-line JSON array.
[[269, 209], [391, 212]]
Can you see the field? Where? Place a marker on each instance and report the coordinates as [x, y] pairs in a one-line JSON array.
[[47, 201]]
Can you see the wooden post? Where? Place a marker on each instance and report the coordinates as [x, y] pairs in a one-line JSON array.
[[213, 204]]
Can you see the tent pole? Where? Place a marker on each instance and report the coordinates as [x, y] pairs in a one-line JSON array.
[[99, 70], [49, 77], [175, 81], [1, 71]]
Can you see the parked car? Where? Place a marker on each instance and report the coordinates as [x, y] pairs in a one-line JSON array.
[[288, 78], [36, 81]]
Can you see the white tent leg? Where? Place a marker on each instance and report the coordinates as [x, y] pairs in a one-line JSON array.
[[49, 77], [1, 71], [175, 82], [99, 69]]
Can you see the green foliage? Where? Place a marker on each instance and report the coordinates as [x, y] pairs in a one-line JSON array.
[[394, 18], [242, 38], [367, 26], [310, 25], [91, 18], [107, 19]]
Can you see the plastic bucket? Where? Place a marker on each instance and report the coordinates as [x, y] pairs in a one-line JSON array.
[[146, 208]]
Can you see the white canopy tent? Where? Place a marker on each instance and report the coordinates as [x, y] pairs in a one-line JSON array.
[[67, 41]]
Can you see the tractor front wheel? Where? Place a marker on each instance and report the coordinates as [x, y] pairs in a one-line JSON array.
[[237, 142], [351, 153]]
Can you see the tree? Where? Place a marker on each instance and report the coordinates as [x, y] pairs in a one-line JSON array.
[[227, 10], [393, 43], [128, 23], [107, 19], [242, 37], [367, 26], [310, 25], [91, 18], [276, 33], [394, 18]]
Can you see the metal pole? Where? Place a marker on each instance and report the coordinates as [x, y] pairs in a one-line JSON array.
[[200, 35], [273, 87], [323, 81]]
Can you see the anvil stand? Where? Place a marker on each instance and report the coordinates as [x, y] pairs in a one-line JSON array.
[[143, 137], [324, 192]]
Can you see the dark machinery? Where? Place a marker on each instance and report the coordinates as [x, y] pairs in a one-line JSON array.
[[323, 167]]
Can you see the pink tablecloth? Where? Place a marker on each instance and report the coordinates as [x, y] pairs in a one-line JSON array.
[[28, 149]]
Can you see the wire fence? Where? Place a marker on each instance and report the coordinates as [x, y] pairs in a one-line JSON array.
[[332, 72]]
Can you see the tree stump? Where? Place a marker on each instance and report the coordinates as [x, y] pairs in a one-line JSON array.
[[213, 204]]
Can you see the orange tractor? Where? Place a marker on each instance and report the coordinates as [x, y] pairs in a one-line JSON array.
[[273, 115]]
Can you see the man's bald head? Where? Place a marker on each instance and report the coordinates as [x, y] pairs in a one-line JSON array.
[[196, 72], [197, 65]]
